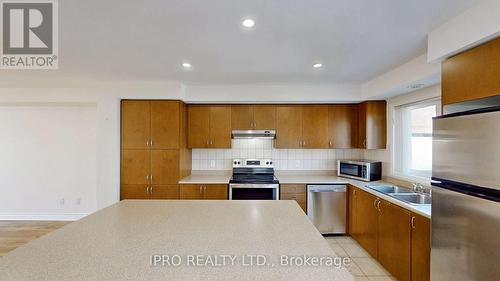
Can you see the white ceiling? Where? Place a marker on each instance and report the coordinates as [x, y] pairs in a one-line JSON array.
[[148, 40]]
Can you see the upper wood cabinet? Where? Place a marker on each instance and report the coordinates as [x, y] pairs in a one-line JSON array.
[[135, 124], [342, 126], [288, 126], [253, 117], [315, 126], [209, 126], [420, 248], [372, 125], [150, 124], [472, 74]]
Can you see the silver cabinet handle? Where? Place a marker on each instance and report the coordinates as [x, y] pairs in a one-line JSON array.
[[375, 203], [364, 143], [303, 143], [378, 205], [330, 143], [151, 178], [211, 142], [204, 188], [151, 188], [412, 222], [208, 142], [147, 189], [151, 142], [201, 187]]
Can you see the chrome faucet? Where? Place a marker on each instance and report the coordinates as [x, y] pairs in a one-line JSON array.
[[419, 188]]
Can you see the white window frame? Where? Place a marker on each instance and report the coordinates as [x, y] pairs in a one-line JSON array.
[[401, 153]]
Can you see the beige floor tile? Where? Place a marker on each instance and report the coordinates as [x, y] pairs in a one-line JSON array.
[[361, 278], [370, 267], [354, 250], [338, 250], [344, 239], [381, 278], [354, 269]]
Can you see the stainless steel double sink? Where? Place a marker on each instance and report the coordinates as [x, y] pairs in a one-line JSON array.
[[403, 194]]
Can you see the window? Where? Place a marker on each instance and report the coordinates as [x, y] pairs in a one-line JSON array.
[[413, 138]]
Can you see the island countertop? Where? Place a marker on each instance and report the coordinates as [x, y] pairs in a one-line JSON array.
[[120, 242]]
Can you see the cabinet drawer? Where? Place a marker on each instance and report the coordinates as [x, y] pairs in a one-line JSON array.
[[293, 188], [297, 196]]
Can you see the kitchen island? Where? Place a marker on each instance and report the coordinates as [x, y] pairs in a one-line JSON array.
[[181, 240]]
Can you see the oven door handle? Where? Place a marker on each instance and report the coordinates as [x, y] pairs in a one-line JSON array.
[[252, 185]]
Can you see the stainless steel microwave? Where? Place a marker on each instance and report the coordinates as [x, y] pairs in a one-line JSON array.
[[365, 170]]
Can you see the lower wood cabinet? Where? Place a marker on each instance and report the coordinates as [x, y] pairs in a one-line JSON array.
[[397, 238], [143, 191], [420, 248], [203, 192], [295, 192]]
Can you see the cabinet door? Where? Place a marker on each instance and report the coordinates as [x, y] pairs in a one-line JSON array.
[[394, 240], [361, 141], [295, 192], [135, 166], [165, 166], [473, 74], [220, 127], [288, 126], [215, 192], [191, 192], [165, 123], [315, 126], [376, 125], [366, 223], [351, 210], [135, 124], [420, 248], [342, 125], [166, 192], [264, 117], [198, 126], [134, 191], [242, 117]]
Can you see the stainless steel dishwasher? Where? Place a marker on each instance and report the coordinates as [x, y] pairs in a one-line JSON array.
[[327, 207]]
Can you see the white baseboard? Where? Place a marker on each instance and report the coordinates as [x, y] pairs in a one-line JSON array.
[[41, 216]]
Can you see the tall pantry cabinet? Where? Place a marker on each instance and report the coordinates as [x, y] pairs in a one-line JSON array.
[[154, 153]]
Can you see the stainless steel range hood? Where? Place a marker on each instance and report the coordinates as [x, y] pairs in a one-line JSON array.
[[254, 134]]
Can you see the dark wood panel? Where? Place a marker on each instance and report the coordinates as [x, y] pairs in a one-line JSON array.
[[242, 117], [135, 124], [215, 192], [135, 166], [134, 191], [365, 229], [191, 192], [165, 166], [472, 74], [220, 127], [165, 122], [315, 126], [421, 248], [198, 126], [343, 125], [394, 240], [166, 192], [264, 117], [288, 126]]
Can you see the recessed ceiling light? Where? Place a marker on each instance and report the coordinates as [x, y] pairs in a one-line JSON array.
[[186, 65], [318, 65], [248, 23]]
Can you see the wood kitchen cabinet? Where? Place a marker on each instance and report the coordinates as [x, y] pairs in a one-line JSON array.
[[420, 248], [203, 192], [394, 240], [473, 74], [253, 117], [342, 126], [372, 125], [209, 126], [297, 192], [365, 223], [154, 154], [315, 126], [288, 126]]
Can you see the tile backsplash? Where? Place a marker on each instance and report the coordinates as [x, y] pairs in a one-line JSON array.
[[284, 159]]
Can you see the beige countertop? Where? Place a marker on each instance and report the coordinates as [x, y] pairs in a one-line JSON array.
[[117, 243], [207, 177], [306, 177]]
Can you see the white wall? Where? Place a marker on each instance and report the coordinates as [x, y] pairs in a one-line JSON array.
[[471, 28], [48, 160], [284, 159], [386, 155]]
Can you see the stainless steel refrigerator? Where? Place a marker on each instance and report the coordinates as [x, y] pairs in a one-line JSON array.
[[466, 196]]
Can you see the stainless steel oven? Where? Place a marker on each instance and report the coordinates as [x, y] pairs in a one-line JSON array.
[[365, 170], [253, 179]]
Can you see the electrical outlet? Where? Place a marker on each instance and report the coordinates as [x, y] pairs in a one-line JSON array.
[[212, 163], [62, 201], [78, 201]]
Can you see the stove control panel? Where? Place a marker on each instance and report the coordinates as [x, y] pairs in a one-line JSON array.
[[252, 163]]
